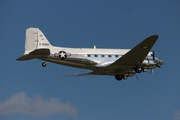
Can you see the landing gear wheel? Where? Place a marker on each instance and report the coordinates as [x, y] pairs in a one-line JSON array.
[[44, 64], [138, 69], [119, 77]]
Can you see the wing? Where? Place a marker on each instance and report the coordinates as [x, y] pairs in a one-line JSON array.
[[135, 56], [81, 74], [87, 74]]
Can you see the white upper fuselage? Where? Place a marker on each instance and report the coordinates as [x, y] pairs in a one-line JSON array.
[[101, 56]]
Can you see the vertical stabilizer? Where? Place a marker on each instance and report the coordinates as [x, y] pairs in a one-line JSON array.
[[35, 39], [31, 40], [42, 40]]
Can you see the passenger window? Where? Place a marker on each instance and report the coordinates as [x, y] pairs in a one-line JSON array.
[[102, 55], [95, 55], [109, 55], [116, 55], [89, 55]]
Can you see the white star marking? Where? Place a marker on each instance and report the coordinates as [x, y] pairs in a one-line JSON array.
[[62, 54]]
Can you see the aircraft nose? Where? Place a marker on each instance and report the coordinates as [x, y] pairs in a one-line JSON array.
[[161, 62]]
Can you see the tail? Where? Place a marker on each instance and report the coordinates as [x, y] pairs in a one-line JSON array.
[[35, 39]]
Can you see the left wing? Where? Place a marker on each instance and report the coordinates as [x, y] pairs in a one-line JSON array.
[[135, 56], [81, 74]]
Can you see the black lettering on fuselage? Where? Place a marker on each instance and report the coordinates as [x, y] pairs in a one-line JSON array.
[[45, 44]]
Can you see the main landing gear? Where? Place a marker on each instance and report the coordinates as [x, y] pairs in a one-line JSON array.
[[136, 69], [44, 64], [120, 77], [140, 69]]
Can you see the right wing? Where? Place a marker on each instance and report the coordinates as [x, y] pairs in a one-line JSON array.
[[135, 56]]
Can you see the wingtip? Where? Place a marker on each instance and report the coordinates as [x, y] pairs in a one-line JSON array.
[[17, 59], [155, 36]]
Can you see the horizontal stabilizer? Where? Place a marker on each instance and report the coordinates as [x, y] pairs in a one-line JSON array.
[[34, 54], [25, 57], [40, 52]]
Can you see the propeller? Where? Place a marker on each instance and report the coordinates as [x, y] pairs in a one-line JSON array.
[[151, 71], [137, 77], [153, 55]]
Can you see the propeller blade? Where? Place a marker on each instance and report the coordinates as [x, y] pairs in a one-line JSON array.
[[137, 77], [158, 66], [152, 71], [153, 55]]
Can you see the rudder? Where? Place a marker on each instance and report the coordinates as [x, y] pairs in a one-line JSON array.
[[35, 39]]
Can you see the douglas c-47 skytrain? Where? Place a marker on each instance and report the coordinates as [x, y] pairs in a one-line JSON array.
[[121, 63]]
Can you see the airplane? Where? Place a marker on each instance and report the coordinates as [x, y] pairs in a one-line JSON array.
[[120, 63]]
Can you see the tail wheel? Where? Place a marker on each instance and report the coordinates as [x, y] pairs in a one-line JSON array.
[[62, 55], [44, 64], [138, 69]]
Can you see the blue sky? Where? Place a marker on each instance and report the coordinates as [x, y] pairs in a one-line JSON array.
[[29, 91]]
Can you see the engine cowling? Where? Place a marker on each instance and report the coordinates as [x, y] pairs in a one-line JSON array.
[[138, 69]]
